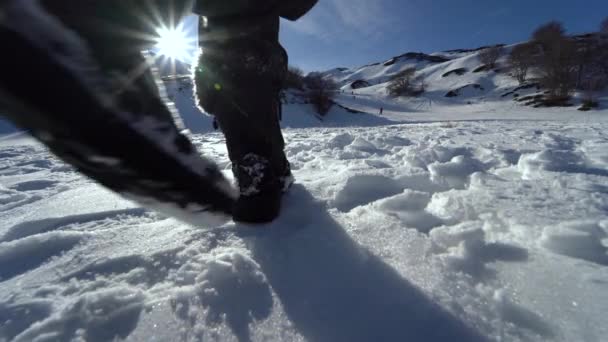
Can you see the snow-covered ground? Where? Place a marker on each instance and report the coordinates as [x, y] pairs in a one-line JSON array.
[[447, 225]]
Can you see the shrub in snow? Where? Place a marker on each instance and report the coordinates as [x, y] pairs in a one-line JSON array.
[[294, 79], [320, 92], [521, 60], [405, 83], [490, 56]]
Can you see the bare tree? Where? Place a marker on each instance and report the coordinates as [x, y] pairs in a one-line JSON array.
[[557, 60], [405, 84], [549, 34], [320, 92], [604, 27], [521, 59], [294, 78], [587, 54], [401, 82], [489, 56], [602, 53]]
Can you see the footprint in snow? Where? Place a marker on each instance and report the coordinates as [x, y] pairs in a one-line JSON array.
[[521, 316], [20, 256], [464, 248], [34, 185], [231, 285], [580, 240], [8, 154], [10, 199], [134, 269], [34, 227], [99, 316], [16, 318], [39, 164]]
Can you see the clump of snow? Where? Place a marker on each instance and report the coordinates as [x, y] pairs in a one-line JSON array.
[[409, 200], [364, 189], [410, 208], [341, 141], [456, 172]]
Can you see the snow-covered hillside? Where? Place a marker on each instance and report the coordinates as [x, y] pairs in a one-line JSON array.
[[453, 80]]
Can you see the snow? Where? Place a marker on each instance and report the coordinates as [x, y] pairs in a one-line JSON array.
[[467, 219], [459, 229]]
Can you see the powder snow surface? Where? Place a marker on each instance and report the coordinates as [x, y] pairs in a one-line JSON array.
[[441, 231]]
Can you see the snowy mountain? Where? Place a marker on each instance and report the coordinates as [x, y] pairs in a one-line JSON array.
[[452, 78]]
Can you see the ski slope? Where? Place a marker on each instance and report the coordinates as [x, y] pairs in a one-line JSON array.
[[417, 225]]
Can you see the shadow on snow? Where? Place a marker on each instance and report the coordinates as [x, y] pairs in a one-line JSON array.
[[334, 290]]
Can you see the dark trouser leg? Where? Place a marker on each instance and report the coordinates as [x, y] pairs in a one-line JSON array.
[[238, 80], [254, 128]]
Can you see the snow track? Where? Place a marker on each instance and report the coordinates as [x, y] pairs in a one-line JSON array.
[[469, 231]]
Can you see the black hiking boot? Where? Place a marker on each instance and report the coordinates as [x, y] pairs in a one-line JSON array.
[[287, 179], [260, 191]]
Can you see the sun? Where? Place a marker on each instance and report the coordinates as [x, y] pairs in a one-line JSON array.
[[175, 43]]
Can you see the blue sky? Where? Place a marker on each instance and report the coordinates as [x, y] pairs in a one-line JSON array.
[[356, 32]]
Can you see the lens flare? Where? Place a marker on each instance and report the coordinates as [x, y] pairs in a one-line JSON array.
[[175, 44]]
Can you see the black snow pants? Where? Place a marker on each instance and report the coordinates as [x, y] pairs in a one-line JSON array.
[[241, 71], [238, 80]]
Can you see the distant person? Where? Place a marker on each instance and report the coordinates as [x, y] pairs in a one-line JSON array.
[[381, 110], [91, 97]]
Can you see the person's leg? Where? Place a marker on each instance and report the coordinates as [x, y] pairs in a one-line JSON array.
[[238, 80]]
